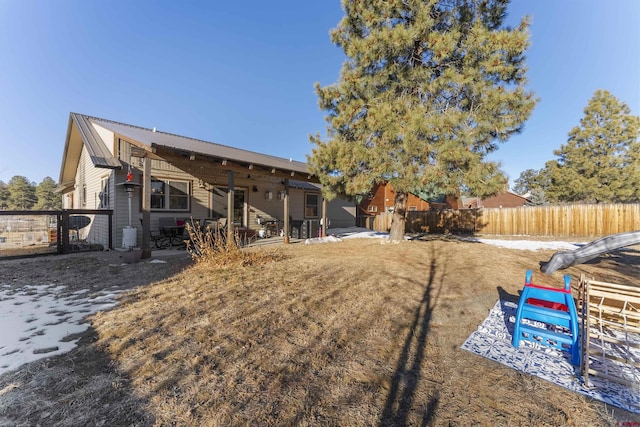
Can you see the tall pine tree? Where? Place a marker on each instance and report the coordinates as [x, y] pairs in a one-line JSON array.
[[428, 89], [22, 193], [47, 197], [526, 182], [4, 196], [601, 160], [533, 183]]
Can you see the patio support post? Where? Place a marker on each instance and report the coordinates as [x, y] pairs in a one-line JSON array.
[[286, 211], [146, 208], [324, 217], [230, 199]]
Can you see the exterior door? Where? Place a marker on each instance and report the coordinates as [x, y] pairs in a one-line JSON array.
[[219, 205]]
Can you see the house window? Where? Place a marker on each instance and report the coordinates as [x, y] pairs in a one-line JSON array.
[[372, 208], [104, 193], [311, 201], [169, 195], [413, 208], [83, 195]]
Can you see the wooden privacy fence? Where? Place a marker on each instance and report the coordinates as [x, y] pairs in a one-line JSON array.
[[583, 220]]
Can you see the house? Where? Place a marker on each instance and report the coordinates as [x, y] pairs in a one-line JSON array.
[[185, 178], [382, 197], [504, 199]]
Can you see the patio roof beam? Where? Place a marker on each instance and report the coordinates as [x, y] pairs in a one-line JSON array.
[[175, 157]]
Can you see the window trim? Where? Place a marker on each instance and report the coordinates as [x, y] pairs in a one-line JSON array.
[[306, 205], [104, 196], [167, 194]]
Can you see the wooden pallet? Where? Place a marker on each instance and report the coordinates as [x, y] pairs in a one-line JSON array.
[[610, 316]]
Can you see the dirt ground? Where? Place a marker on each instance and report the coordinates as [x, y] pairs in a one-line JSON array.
[[84, 372], [96, 384]]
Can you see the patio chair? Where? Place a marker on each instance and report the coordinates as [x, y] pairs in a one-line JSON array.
[[174, 231], [213, 224], [159, 240]]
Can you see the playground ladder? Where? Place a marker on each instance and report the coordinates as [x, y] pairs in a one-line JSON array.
[[548, 316]]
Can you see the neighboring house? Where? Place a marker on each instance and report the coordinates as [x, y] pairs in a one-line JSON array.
[[183, 178], [504, 199], [382, 197]]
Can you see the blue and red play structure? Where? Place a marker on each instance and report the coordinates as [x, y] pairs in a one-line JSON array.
[[548, 316]]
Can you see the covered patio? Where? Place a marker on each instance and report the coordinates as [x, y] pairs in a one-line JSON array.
[[147, 176]]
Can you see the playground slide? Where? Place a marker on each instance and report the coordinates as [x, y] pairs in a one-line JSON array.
[[565, 259]]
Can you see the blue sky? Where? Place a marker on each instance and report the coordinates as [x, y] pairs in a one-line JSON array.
[[244, 76]]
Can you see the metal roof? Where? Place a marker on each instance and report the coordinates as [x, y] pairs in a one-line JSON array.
[[304, 185], [153, 138], [81, 133], [98, 151]]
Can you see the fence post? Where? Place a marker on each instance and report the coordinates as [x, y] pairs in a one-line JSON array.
[[64, 233], [111, 230], [59, 232]]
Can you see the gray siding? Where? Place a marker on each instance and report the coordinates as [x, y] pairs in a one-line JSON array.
[[86, 196], [341, 213]]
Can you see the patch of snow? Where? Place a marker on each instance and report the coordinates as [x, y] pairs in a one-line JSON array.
[[338, 234], [316, 240], [366, 235], [37, 319], [529, 245]]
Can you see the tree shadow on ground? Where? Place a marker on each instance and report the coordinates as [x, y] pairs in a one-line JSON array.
[[81, 387], [624, 261], [407, 375]]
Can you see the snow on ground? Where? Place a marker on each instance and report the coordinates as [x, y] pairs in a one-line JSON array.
[[531, 245], [338, 234], [38, 319]]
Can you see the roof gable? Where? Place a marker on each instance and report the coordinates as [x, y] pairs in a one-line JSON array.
[[81, 133]]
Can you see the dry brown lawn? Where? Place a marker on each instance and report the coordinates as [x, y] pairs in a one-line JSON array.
[[356, 333]]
